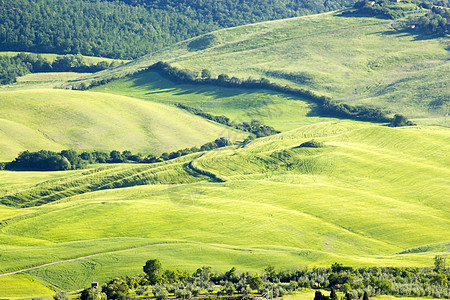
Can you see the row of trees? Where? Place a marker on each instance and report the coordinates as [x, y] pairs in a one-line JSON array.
[[131, 28], [21, 64], [355, 283], [254, 126], [327, 105], [44, 160]]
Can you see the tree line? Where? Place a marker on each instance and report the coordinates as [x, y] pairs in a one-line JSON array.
[[354, 283], [21, 64], [45, 160], [131, 28], [326, 104], [254, 126]]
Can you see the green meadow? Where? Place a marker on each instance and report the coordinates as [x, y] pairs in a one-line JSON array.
[[352, 59], [371, 196], [280, 205]]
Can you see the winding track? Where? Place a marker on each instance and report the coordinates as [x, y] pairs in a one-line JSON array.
[[79, 258]]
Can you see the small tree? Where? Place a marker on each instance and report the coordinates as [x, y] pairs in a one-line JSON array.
[[206, 74], [400, 120], [62, 295], [439, 263], [255, 282], [153, 269]]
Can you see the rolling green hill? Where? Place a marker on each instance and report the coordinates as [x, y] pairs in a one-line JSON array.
[[60, 119], [354, 59], [129, 28], [372, 195]]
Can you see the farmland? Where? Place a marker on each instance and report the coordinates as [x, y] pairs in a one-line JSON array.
[[370, 195]]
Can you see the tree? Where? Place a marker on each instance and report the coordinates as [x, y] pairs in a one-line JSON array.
[[62, 295], [255, 282], [270, 273], [92, 294], [439, 263], [153, 269], [160, 293], [116, 289], [206, 74], [116, 156], [400, 120]]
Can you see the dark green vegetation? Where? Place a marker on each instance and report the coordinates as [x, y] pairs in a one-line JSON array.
[[326, 104], [423, 17], [435, 22], [254, 126], [44, 160], [22, 64], [386, 9], [91, 27], [355, 283], [312, 144]]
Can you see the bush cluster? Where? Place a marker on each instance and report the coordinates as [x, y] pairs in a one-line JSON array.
[[44, 160], [312, 144]]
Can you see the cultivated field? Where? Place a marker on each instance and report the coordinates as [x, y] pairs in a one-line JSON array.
[[60, 119], [372, 196]]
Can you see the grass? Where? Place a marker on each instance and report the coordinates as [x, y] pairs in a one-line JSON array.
[[60, 119], [373, 195], [240, 105], [22, 286], [280, 205], [356, 60]]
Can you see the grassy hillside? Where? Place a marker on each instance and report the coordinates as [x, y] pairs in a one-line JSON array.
[[240, 105], [59, 119], [366, 198], [354, 59], [99, 28]]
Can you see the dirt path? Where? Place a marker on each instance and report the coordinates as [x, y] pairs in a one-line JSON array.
[[79, 258]]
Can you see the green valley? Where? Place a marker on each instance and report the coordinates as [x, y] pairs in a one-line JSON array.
[[317, 190]]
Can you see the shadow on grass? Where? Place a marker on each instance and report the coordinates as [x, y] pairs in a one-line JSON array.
[[156, 84]]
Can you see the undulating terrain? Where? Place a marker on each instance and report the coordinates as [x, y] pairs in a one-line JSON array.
[[371, 195]]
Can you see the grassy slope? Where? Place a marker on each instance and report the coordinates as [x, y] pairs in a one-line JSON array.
[[240, 105], [281, 205], [358, 60], [58, 119]]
